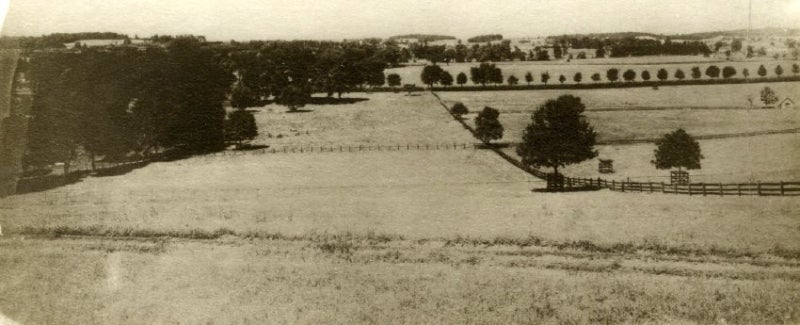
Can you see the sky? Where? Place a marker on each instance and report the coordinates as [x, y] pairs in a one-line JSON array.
[[340, 19]]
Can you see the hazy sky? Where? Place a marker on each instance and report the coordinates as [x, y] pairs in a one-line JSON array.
[[337, 19]]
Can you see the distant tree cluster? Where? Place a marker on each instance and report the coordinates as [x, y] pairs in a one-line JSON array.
[[485, 38]]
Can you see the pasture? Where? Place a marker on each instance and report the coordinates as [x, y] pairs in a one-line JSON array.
[[411, 74], [441, 236]]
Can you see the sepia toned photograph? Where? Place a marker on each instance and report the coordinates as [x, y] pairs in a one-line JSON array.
[[400, 162]]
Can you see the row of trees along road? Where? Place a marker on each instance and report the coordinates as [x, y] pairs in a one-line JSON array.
[[489, 73], [559, 135]]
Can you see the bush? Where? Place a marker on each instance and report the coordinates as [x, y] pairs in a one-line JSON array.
[[459, 109]]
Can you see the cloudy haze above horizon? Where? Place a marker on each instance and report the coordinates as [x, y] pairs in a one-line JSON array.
[[338, 19]]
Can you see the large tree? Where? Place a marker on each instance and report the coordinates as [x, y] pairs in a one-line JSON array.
[[677, 149], [728, 72], [446, 79], [461, 79], [431, 74], [629, 75], [646, 75], [486, 73], [559, 135], [487, 125], [612, 74], [712, 71], [762, 71], [293, 97], [662, 74], [393, 80], [696, 73], [240, 127]]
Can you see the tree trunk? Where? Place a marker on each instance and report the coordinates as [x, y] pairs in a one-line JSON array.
[[91, 155]]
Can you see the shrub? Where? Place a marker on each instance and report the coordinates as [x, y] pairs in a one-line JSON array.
[[768, 96], [612, 74], [646, 75], [459, 109]]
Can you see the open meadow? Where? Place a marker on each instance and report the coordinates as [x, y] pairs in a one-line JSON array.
[[375, 237], [411, 74]]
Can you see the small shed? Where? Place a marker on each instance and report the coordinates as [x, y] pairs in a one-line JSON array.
[[786, 103], [606, 166]]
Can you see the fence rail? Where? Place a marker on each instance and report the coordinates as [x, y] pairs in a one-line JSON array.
[[705, 189], [350, 148]]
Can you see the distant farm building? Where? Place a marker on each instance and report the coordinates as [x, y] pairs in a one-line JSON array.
[[786, 103]]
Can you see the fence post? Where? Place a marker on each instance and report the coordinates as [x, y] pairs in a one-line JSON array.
[[623, 186], [704, 189], [613, 184], [739, 188], [781, 188], [720, 189], [759, 187], [690, 189]]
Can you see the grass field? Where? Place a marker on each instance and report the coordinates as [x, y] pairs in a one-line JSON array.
[[444, 236], [379, 118], [715, 96], [636, 115], [411, 74]]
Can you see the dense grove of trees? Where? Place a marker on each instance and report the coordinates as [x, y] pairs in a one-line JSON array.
[[114, 102], [117, 103]]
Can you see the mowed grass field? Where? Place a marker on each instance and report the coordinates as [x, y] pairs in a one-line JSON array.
[[374, 119], [440, 236], [635, 114], [411, 74]]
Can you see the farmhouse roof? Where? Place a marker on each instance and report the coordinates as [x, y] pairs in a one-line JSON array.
[[786, 100]]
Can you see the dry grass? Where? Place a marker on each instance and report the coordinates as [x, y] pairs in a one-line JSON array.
[[411, 74], [279, 282], [384, 118], [449, 236]]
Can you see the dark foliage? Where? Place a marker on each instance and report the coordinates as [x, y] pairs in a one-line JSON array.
[[677, 149], [558, 135], [487, 126]]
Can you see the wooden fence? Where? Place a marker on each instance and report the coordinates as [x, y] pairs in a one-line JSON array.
[[350, 148], [718, 189]]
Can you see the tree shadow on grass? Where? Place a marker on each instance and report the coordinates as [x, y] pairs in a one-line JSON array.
[[491, 146], [567, 190], [335, 101], [299, 111]]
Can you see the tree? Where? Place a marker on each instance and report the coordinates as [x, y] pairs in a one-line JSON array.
[[679, 74], [545, 77], [778, 70], [529, 77], [596, 77], [578, 77], [696, 74], [461, 79], [712, 71], [559, 135], [677, 149], [431, 74], [487, 126], [512, 80], [662, 74], [561, 79], [612, 74], [745, 73], [446, 79], [240, 127], [293, 97], [394, 80], [459, 109], [600, 53], [242, 97], [768, 96], [496, 76], [795, 68], [646, 75], [762, 71], [736, 45], [485, 73], [728, 72], [557, 51], [629, 75]]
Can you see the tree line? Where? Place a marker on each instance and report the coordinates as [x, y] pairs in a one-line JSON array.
[[491, 74]]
